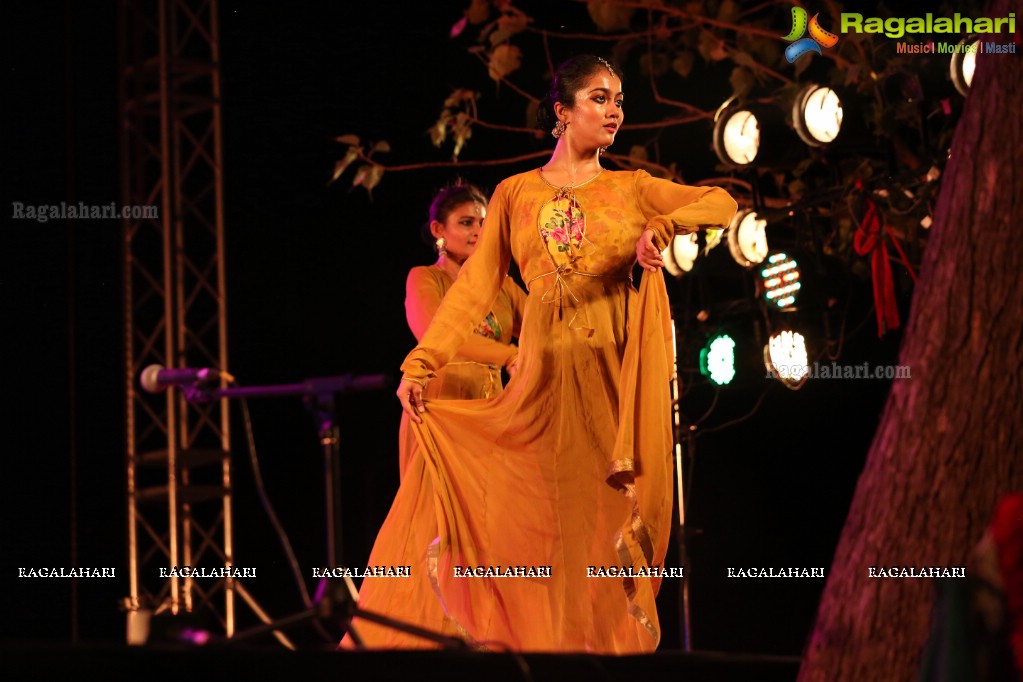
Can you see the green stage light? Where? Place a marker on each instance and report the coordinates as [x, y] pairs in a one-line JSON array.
[[717, 359]]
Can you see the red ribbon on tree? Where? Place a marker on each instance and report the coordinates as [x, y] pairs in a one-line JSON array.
[[869, 238]]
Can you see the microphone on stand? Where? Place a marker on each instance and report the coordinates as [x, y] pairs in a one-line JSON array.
[[156, 378]]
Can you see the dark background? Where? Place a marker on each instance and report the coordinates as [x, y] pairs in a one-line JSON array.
[[316, 286]]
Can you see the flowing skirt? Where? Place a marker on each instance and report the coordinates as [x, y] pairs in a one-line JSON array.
[[565, 473]]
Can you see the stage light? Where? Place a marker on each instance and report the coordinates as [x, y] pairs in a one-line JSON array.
[[754, 134], [685, 248], [781, 280], [717, 359], [747, 239], [712, 238], [962, 65], [786, 359], [680, 256], [817, 115], [736, 136], [669, 262]]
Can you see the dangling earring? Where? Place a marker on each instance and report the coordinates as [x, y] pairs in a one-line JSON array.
[[441, 244], [601, 150], [559, 129]]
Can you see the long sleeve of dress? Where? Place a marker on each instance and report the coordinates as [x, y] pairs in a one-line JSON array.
[[671, 208], [423, 296], [469, 298]]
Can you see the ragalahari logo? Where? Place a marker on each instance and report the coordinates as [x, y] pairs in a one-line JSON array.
[[818, 36]]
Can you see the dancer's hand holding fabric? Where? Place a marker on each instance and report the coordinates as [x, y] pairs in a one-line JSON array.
[[512, 365], [410, 393], [647, 254]]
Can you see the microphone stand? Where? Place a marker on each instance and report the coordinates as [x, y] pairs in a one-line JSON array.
[[331, 600]]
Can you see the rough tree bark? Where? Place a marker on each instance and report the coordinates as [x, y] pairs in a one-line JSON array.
[[950, 440]]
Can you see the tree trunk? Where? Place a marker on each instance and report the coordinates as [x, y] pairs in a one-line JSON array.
[[950, 439]]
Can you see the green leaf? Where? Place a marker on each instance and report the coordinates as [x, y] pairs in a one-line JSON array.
[[531, 107], [713, 238], [341, 165], [505, 59], [381, 146], [802, 167], [478, 12], [728, 11], [348, 139], [461, 137], [743, 58], [513, 20], [742, 81], [797, 189], [683, 63], [711, 47], [608, 15], [360, 175], [373, 177]]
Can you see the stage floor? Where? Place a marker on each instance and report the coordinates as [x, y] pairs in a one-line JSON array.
[[53, 661]]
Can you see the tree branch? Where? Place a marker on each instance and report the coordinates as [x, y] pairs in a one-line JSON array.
[[454, 164]]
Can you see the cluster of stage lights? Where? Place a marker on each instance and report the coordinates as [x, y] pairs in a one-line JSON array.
[[817, 117], [747, 242], [785, 358], [816, 114]]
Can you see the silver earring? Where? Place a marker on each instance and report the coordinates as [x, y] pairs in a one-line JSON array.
[[441, 247], [601, 150], [559, 129]]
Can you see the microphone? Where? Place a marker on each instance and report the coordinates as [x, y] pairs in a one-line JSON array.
[[156, 378]]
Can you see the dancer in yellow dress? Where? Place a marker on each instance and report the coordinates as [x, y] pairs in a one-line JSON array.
[[455, 224], [570, 467]]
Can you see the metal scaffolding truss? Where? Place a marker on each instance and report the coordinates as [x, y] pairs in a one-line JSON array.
[[178, 463]]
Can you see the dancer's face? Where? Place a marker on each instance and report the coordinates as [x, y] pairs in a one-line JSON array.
[[461, 229], [595, 118]]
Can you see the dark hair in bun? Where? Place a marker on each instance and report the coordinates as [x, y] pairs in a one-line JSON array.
[[570, 77], [446, 200]]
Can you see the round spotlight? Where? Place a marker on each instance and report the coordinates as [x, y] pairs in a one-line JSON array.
[[736, 137], [669, 262], [817, 115], [781, 280], [685, 248], [680, 256], [747, 239], [786, 359], [962, 66], [717, 359]]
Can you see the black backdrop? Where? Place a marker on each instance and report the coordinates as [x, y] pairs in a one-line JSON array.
[[316, 284]]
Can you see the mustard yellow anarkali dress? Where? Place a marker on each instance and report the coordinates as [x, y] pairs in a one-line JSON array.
[[570, 467], [475, 372]]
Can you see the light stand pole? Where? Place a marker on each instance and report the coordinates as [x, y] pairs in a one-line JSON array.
[[330, 598]]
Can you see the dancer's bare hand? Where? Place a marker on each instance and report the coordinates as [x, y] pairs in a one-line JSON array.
[[513, 366], [410, 394], [647, 254]]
